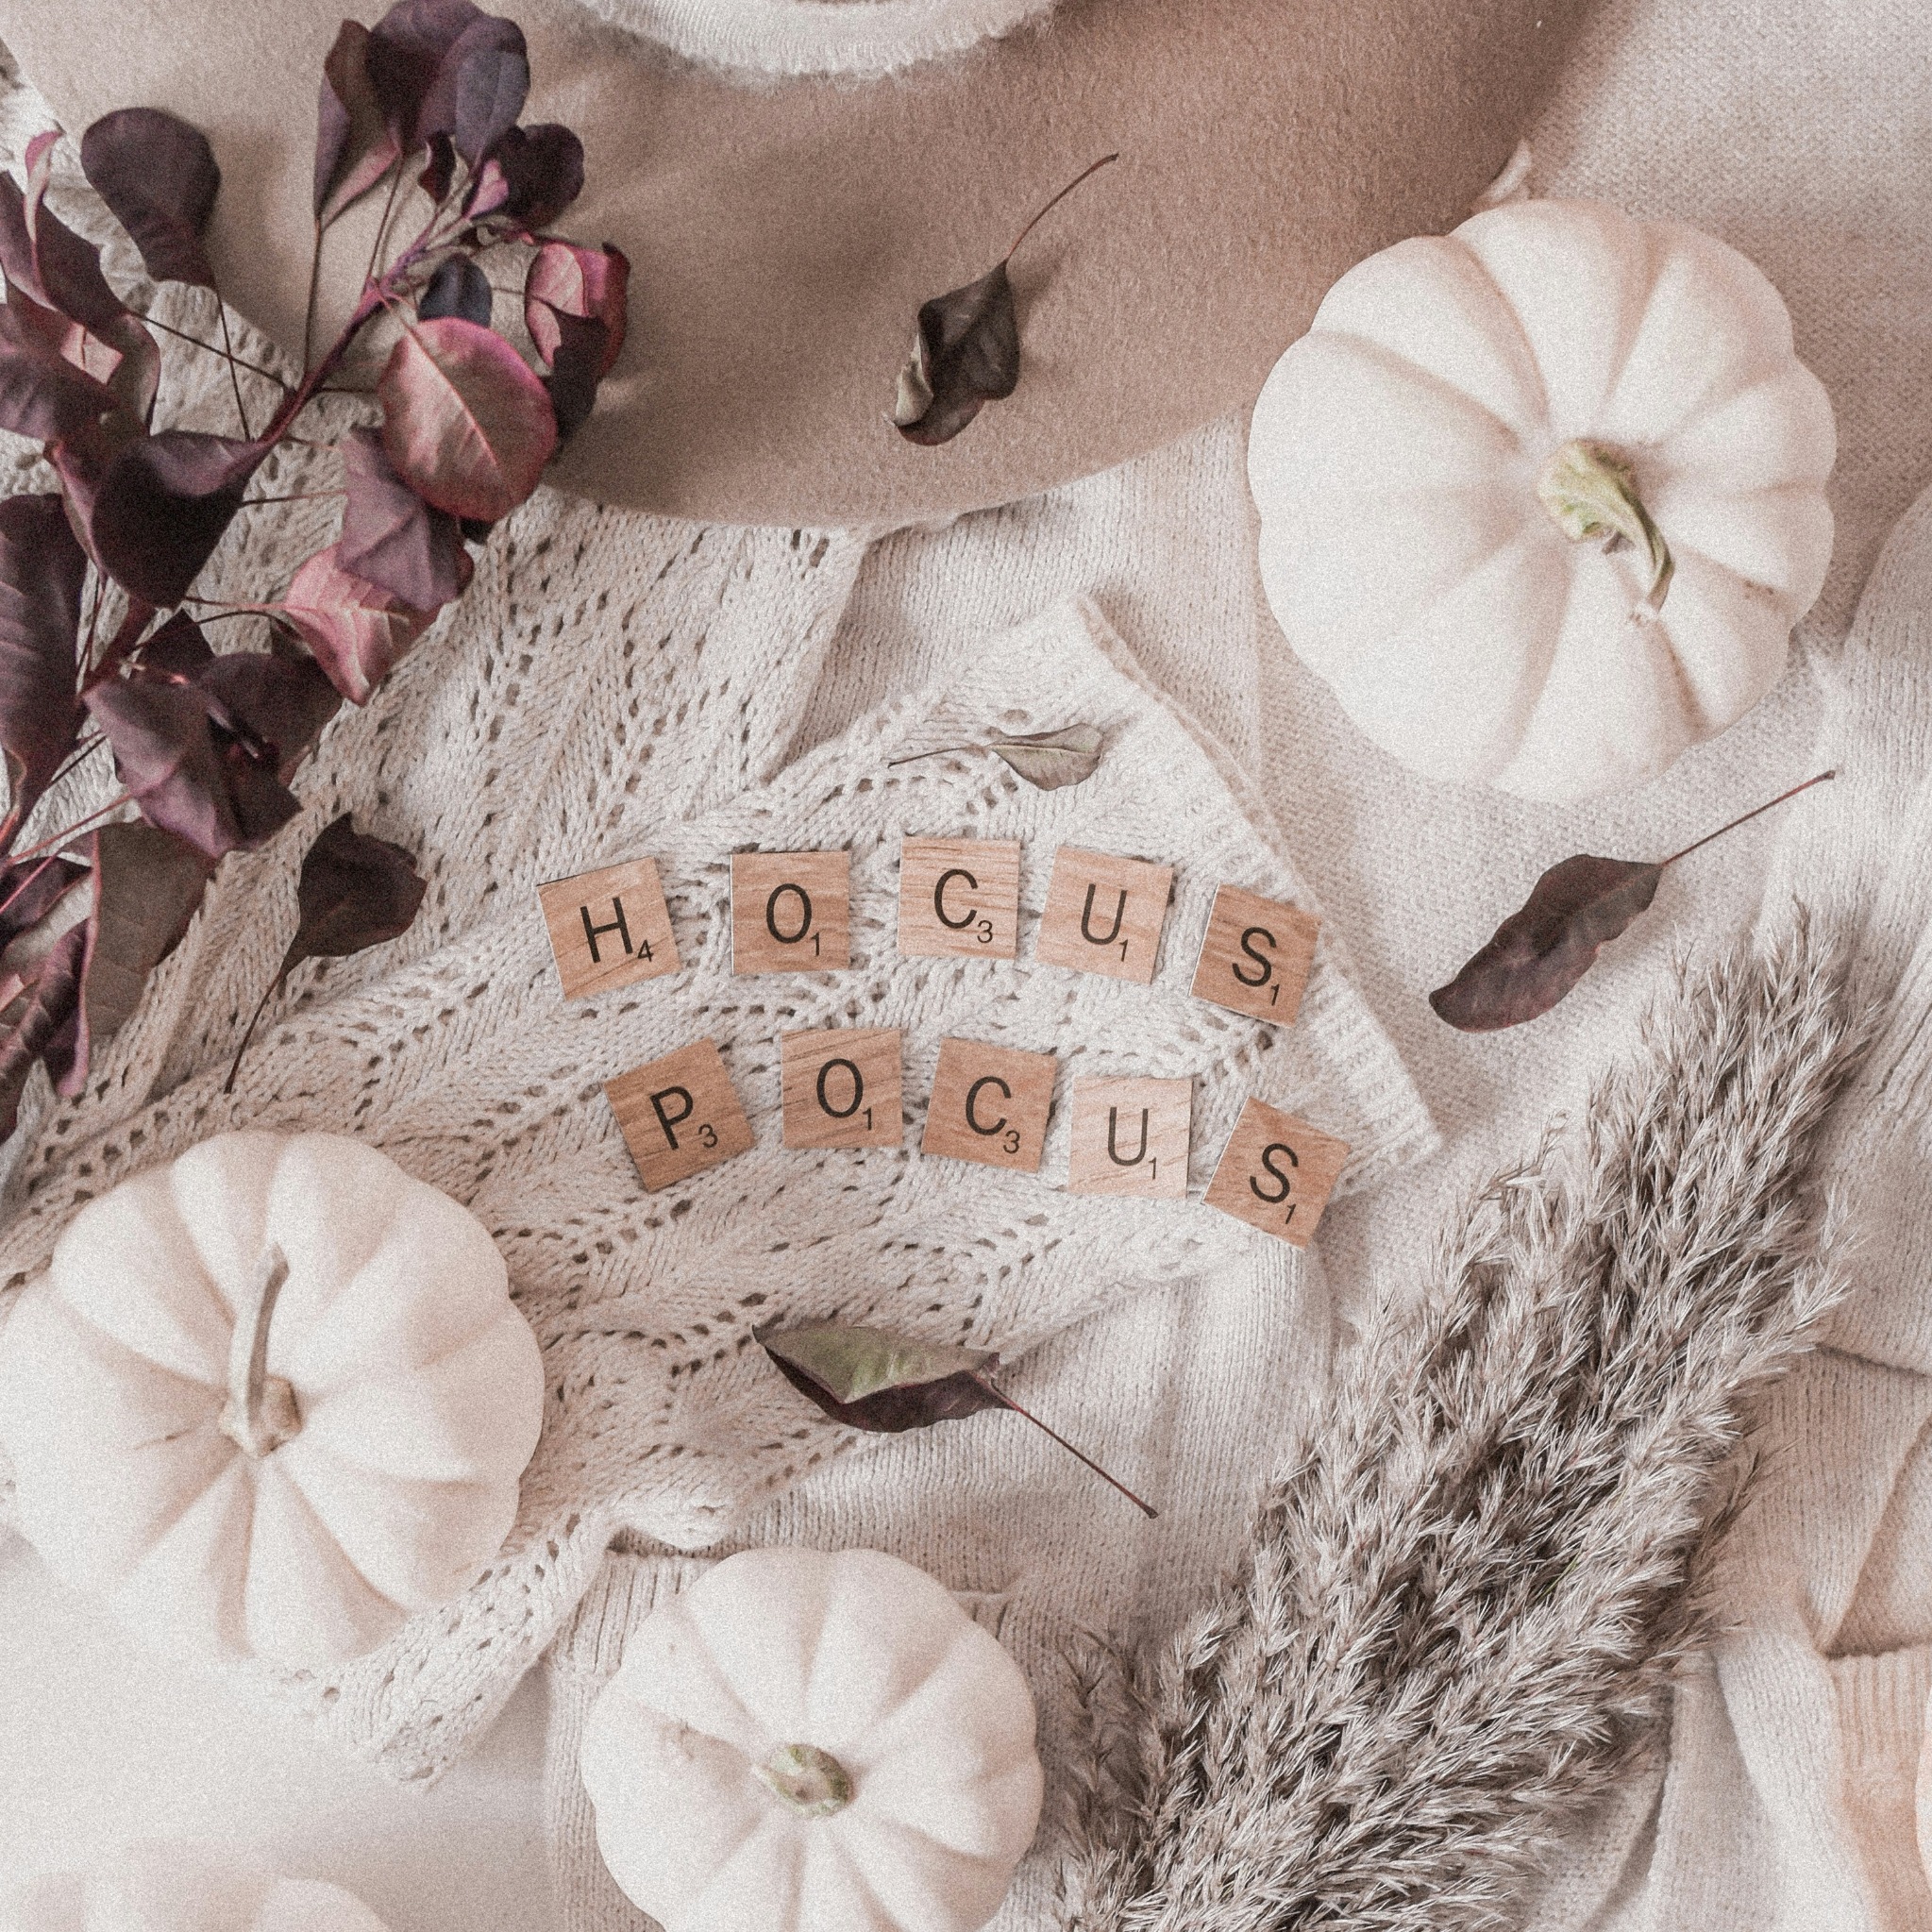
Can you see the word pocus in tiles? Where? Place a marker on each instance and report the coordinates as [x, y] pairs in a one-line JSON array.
[[1276, 1173], [1255, 955], [841, 1086], [609, 929], [1130, 1137], [1104, 915], [990, 1104], [959, 898], [680, 1115], [791, 912]]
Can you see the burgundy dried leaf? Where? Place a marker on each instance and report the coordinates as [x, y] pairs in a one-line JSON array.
[[147, 885], [575, 365], [30, 890], [479, 89], [392, 538], [1537, 954], [157, 174], [439, 171], [191, 776], [42, 571], [43, 396], [44, 258], [357, 630], [42, 1019], [354, 148], [404, 57], [1574, 911], [179, 649], [965, 354], [459, 287], [529, 177], [965, 346], [356, 891], [164, 504], [566, 279], [869, 1378], [467, 424]]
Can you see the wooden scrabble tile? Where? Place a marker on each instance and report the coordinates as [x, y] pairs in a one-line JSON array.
[[959, 898], [1276, 1173], [1255, 955], [680, 1115], [1130, 1136], [990, 1104], [609, 929], [1104, 915], [791, 912], [841, 1086]]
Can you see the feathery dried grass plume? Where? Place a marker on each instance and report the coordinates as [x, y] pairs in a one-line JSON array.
[[1464, 1602]]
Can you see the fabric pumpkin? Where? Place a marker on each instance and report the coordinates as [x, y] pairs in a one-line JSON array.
[[804, 1742], [1542, 499], [270, 1399], [168, 1887]]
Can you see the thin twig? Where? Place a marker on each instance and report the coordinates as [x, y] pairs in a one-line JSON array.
[[68, 832], [208, 347], [293, 497], [1146, 1508], [1746, 818], [234, 375], [1093, 168], [314, 290]]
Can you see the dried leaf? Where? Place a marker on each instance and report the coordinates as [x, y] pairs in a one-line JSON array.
[[392, 538], [354, 148], [966, 346], [1574, 911], [356, 891], [357, 630], [43, 396], [529, 177], [869, 1378], [157, 174], [42, 571], [479, 88], [467, 424], [164, 504], [404, 58], [459, 287], [1537, 954], [572, 383], [43, 1017], [43, 257], [30, 891], [192, 776], [965, 354], [1052, 759], [565, 280]]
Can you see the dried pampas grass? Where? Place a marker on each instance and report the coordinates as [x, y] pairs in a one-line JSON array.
[[1464, 1601]]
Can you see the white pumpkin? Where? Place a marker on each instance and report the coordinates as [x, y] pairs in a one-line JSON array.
[[804, 1742], [270, 1399], [1542, 499], [171, 1887]]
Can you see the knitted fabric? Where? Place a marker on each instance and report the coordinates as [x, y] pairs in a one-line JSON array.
[[792, 37]]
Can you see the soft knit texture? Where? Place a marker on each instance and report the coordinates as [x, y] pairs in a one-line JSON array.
[[800, 36]]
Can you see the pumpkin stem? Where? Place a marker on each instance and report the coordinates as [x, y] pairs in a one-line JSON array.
[[260, 1414], [1590, 491], [813, 1782]]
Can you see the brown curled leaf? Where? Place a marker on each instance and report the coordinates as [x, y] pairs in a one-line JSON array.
[[872, 1379], [966, 346], [1574, 911]]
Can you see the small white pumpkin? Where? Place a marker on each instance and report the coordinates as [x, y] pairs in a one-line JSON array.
[[172, 1887], [1542, 499], [804, 1742], [270, 1399]]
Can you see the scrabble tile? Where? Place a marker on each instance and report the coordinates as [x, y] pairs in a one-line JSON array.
[[1104, 915], [609, 929], [1130, 1136], [959, 898], [990, 1104], [791, 912], [680, 1115], [1276, 1173], [841, 1086], [1255, 955]]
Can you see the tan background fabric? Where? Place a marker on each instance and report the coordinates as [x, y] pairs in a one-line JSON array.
[[784, 238]]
